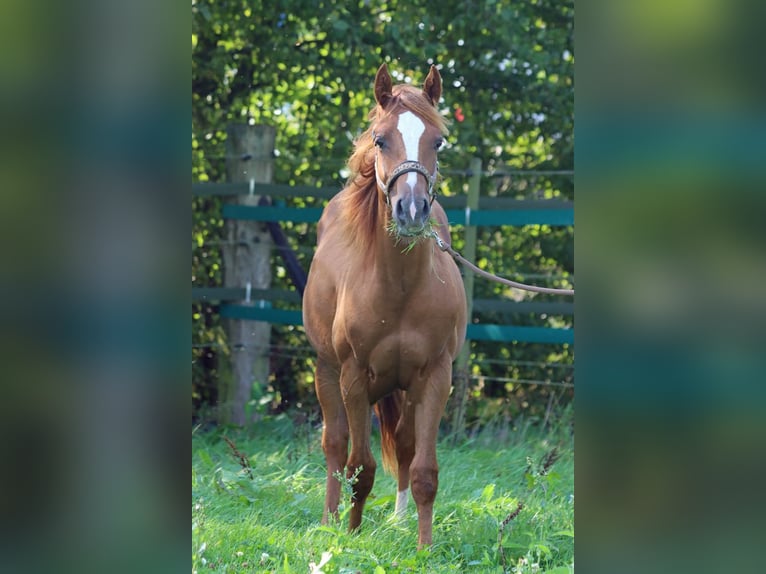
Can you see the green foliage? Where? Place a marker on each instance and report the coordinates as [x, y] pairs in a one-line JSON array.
[[271, 522], [307, 68]]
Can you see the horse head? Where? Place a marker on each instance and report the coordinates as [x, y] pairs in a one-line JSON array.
[[407, 134]]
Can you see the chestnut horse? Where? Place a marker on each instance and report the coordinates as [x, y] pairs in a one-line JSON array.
[[384, 308]]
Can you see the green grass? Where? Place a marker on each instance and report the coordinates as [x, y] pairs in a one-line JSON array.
[[270, 522]]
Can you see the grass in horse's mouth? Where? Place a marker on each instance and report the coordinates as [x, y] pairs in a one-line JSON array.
[[426, 233]]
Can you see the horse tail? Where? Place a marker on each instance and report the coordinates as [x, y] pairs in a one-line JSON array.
[[388, 410]]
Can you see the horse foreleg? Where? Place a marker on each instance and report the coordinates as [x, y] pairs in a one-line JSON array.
[[334, 434], [361, 463], [424, 470]]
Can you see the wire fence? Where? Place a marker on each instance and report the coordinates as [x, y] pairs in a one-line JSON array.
[[305, 352]]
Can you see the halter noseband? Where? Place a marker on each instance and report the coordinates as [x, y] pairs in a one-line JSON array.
[[408, 166]]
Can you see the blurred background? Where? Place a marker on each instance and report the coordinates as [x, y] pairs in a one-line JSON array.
[[670, 211]]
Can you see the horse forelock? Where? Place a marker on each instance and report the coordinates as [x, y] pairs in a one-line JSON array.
[[363, 209]]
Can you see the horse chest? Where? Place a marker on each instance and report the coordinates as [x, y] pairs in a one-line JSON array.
[[393, 348]]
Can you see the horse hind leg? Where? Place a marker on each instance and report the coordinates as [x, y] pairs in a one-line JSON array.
[[405, 452], [334, 433], [398, 445]]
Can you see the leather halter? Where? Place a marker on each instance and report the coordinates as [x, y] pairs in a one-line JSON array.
[[408, 166]]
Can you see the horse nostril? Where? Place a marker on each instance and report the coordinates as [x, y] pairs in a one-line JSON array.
[[426, 207], [399, 210]]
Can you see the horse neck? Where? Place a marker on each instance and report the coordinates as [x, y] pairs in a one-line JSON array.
[[395, 264]]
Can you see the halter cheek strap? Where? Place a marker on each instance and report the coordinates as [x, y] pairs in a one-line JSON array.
[[381, 183]]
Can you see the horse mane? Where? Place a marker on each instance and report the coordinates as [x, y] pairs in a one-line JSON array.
[[362, 206]]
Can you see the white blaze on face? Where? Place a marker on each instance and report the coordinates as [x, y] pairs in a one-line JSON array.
[[412, 128]]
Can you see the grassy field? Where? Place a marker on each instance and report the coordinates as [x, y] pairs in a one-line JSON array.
[[260, 511]]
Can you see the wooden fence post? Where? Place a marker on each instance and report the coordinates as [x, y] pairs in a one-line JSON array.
[[247, 261], [461, 377]]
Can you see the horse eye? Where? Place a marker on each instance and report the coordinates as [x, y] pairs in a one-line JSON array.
[[438, 144], [379, 141]]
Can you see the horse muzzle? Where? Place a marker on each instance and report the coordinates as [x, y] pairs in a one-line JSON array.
[[411, 205], [411, 213]]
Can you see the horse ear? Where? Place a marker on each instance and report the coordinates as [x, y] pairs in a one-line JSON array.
[[383, 86], [432, 88]]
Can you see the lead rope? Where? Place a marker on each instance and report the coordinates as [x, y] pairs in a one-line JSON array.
[[448, 248]]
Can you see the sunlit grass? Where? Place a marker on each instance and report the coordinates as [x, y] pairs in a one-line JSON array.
[[270, 523]]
